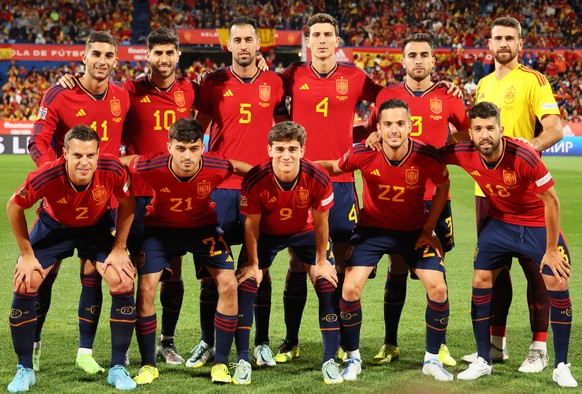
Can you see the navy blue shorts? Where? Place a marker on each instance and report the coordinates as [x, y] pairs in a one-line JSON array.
[[369, 244], [302, 244], [207, 245], [53, 241], [444, 227], [135, 236], [343, 216], [498, 240], [230, 219]]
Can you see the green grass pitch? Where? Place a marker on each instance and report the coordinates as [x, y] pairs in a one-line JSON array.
[[60, 335]]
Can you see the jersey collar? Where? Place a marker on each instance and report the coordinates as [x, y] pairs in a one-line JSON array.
[[319, 75], [241, 79]]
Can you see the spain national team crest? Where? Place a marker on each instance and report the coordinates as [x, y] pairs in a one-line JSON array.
[[302, 196], [115, 106], [412, 175], [436, 106], [179, 98], [509, 177], [265, 92], [509, 96], [203, 189], [341, 86], [99, 194]]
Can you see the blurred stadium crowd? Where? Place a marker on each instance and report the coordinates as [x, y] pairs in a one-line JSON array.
[[454, 24]]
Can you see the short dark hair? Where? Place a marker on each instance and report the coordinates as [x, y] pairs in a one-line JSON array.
[[81, 132], [393, 104], [186, 130], [162, 36], [507, 21], [485, 110], [287, 131], [101, 36], [244, 20], [418, 37], [322, 18]]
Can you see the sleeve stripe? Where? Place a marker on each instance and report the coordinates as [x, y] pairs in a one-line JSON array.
[[51, 94], [541, 79], [255, 175], [321, 177], [47, 176]]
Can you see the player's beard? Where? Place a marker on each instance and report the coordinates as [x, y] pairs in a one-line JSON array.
[[245, 62], [164, 74], [417, 77], [505, 57], [492, 149]]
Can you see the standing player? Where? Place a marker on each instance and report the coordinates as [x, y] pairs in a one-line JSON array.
[[524, 220], [157, 101], [324, 95], [74, 214], [528, 112], [394, 220], [242, 101], [103, 106], [432, 111], [286, 202], [181, 219]]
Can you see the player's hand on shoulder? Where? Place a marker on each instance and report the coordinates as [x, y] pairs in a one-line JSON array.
[[262, 63], [374, 141], [67, 81], [559, 266], [452, 88]]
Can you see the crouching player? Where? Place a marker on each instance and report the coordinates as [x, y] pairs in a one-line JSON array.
[[182, 219], [74, 214], [394, 221], [286, 202], [525, 221]]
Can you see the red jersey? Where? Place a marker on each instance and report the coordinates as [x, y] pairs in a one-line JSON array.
[[180, 203], [286, 210], [63, 108], [242, 115], [511, 184], [393, 193], [325, 106], [432, 112], [68, 205], [150, 116]]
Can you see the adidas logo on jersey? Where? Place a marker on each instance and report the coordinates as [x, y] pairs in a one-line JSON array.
[[228, 93], [165, 190], [81, 112], [375, 172], [229, 259], [62, 201], [476, 173], [305, 86], [146, 99], [273, 199]]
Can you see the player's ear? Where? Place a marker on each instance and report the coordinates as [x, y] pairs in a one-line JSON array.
[[169, 146], [302, 151], [270, 150]]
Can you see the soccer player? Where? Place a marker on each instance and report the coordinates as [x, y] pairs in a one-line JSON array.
[[103, 106], [181, 219], [75, 214], [324, 95], [157, 101], [286, 202], [524, 219], [242, 102], [432, 110], [528, 112], [394, 220]]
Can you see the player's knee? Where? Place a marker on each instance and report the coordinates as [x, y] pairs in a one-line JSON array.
[[227, 287], [437, 292], [351, 291]]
